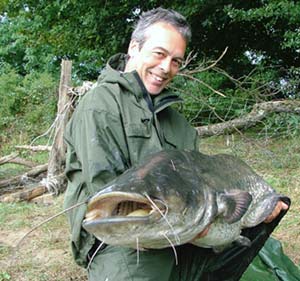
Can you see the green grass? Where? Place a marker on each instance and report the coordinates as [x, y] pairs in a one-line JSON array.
[[45, 254]]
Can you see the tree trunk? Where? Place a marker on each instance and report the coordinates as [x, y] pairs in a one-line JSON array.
[[57, 153]]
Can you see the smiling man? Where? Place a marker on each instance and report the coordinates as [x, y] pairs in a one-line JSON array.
[[158, 59], [126, 117]]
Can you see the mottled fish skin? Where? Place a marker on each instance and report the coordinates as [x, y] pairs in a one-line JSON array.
[[177, 194]]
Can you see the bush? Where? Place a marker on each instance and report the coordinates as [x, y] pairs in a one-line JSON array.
[[10, 96], [27, 104]]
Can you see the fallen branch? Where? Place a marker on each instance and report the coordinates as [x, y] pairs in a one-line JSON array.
[[8, 158], [13, 158], [21, 178], [34, 148], [24, 195], [258, 113], [22, 161]]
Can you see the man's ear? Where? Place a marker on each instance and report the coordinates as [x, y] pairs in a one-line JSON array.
[[134, 48]]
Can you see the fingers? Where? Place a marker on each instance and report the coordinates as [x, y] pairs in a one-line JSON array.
[[279, 207], [202, 233]]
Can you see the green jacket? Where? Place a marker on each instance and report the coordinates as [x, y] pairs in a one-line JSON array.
[[114, 126]]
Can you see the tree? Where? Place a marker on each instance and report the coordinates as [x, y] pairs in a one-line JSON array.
[[89, 32], [262, 37]]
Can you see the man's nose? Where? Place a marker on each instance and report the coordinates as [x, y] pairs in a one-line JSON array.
[[165, 64]]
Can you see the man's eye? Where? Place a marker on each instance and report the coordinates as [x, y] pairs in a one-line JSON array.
[[159, 54], [177, 63]]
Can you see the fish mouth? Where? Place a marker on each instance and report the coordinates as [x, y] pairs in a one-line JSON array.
[[122, 207]]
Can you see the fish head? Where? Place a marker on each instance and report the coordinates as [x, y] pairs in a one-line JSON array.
[[125, 218], [145, 212]]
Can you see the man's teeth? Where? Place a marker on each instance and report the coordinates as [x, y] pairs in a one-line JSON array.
[[157, 78]]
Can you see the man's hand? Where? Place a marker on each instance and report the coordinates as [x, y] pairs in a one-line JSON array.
[[279, 207], [202, 233]]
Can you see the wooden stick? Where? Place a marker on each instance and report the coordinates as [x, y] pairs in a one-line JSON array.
[[8, 158], [24, 195], [34, 148]]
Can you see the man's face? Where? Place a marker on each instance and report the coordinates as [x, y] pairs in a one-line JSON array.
[[159, 58]]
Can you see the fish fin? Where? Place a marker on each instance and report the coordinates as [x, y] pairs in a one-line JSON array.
[[235, 205], [240, 241], [220, 249], [243, 241]]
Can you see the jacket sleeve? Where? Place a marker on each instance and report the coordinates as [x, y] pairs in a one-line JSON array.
[[96, 154], [100, 145]]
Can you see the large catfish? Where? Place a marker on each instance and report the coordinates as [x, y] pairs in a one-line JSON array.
[[173, 195]]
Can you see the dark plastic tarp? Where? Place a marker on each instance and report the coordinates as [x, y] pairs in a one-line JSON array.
[[271, 264]]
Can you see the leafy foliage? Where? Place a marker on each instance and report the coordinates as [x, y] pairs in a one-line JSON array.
[[262, 60], [27, 104], [36, 35]]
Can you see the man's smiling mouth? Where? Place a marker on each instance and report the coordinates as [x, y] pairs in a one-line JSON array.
[[157, 77]]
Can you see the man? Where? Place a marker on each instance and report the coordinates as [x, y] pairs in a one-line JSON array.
[[127, 116]]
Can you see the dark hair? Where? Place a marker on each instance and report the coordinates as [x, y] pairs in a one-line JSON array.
[[153, 16]]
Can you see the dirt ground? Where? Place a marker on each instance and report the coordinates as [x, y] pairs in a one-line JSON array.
[[44, 254]]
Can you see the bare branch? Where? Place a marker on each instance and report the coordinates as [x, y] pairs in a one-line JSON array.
[[8, 158], [191, 56], [199, 69], [34, 148], [201, 82], [258, 113]]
